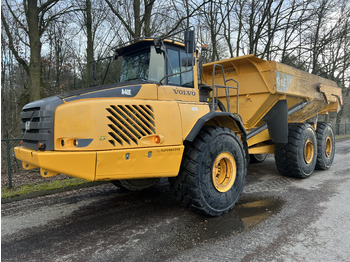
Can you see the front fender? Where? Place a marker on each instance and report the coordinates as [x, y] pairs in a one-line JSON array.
[[225, 119]]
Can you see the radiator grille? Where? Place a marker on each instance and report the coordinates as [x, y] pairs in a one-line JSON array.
[[37, 123], [129, 123]]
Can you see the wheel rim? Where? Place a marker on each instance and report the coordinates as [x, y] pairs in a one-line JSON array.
[[309, 151], [224, 172], [328, 146]]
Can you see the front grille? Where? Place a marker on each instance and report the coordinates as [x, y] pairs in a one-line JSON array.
[[129, 123], [36, 127], [37, 123]]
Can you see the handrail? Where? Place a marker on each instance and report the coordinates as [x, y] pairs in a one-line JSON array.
[[215, 101], [237, 88], [215, 87]]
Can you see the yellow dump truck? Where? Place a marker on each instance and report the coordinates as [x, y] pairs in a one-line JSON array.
[[164, 114]]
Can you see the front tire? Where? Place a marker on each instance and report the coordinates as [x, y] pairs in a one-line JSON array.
[[212, 172], [325, 146], [297, 158]]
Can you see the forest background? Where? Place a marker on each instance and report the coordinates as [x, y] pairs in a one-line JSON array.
[[46, 45]]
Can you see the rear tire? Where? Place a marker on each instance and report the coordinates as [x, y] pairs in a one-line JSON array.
[[136, 184], [297, 158], [212, 172], [325, 146]]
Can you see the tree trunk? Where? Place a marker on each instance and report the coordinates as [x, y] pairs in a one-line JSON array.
[[137, 20], [35, 83], [240, 26], [251, 28], [147, 17], [90, 41]]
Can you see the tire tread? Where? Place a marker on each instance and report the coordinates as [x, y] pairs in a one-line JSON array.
[[286, 155], [187, 184]]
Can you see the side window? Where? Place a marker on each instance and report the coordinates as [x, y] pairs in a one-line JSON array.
[[157, 66], [187, 77], [173, 67]]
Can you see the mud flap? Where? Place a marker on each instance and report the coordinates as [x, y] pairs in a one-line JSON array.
[[277, 122]]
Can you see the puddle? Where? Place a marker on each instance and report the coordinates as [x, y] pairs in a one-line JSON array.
[[248, 213]]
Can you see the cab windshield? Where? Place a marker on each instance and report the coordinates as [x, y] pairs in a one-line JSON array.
[[135, 66], [147, 64]]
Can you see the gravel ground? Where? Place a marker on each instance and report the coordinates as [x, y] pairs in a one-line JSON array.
[[276, 219]]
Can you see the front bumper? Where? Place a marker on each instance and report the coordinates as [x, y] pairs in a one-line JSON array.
[[105, 165]]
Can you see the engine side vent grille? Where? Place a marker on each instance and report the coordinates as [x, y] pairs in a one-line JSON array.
[[129, 123]]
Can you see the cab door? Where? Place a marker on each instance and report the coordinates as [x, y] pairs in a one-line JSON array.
[[181, 81]]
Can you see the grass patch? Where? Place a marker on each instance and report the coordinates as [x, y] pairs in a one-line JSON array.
[[7, 192], [342, 136]]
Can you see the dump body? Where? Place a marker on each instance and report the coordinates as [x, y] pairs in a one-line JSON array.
[[263, 83], [271, 95]]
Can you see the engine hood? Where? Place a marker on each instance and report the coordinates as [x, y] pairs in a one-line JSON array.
[[125, 89]]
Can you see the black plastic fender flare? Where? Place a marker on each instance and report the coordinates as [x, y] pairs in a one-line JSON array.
[[227, 115]]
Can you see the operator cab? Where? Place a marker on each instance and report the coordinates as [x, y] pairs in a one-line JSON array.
[[162, 62]]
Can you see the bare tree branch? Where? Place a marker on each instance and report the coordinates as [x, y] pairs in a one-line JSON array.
[[128, 28], [14, 51]]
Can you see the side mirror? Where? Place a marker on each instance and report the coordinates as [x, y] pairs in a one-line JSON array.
[[189, 41]]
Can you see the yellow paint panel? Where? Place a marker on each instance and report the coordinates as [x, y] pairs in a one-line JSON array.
[[147, 91], [258, 107], [76, 164], [261, 137], [190, 113], [108, 165], [139, 163], [168, 121], [263, 149], [100, 121]]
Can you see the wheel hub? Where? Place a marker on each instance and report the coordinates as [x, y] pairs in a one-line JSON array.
[[309, 151], [328, 146], [224, 172]]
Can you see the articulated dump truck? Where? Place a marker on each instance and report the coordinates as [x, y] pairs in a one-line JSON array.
[[168, 115]]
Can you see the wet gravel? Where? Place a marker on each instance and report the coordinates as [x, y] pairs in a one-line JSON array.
[[276, 219]]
